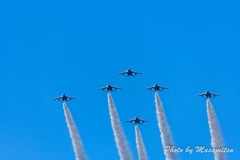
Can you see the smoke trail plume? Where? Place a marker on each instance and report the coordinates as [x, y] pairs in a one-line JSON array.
[[76, 141], [164, 129], [142, 154], [122, 144], [215, 131]]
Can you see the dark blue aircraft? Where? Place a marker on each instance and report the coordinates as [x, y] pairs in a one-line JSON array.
[[129, 72], [208, 94], [64, 98], [109, 88], [156, 88], [137, 120]]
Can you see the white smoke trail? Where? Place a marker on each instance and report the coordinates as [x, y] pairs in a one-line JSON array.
[[122, 144], [142, 154], [166, 138], [76, 141], [215, 131]]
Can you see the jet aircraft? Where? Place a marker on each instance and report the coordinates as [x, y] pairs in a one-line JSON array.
[[109, 88], [64, 98], [208, 94], [137, 120], [156, 88], [129, 72]]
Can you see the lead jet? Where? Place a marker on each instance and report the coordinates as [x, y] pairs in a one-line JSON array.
[[137, 120], [64, 98], [109, 88], [208, 94], [156, 88], [129, 72]]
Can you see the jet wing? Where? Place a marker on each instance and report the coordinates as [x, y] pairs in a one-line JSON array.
[[71, 97], [163, 87], [143, 120], [215, 94], [136, 72], [201, 94], [150, 88], [102, 88], [130, 120], [116, 87], [57, 98], [121, 73]]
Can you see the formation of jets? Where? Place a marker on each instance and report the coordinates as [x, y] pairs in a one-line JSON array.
[[129, 72], [137, 120]]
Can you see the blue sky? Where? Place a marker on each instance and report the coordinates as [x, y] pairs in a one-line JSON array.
[[75, 47]]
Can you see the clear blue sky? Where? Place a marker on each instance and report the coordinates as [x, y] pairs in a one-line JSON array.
[[75, 47]]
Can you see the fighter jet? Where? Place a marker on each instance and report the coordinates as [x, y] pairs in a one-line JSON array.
[[137, 120], [208, 94], [64, 98], [109, 88], [156, 88], [129, 72]]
